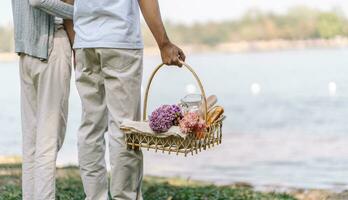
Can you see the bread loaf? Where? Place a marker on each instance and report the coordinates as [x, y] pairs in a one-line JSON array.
[[214, 114], [211, 101]]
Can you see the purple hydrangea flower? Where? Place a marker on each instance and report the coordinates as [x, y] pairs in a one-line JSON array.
[[165, 117]]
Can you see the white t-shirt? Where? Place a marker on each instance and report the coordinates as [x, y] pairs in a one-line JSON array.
[[107, 24]]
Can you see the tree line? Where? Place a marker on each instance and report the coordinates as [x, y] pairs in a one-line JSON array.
[[298, 23]]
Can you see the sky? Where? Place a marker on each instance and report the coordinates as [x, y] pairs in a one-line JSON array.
[[189, 11]]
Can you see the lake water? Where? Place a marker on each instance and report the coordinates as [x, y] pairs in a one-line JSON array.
[[286, 118]]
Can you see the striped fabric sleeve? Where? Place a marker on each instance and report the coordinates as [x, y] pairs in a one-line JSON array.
[[54, 7]]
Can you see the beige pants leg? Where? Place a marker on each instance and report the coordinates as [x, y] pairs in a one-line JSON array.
[[44, 108], [109, 81]]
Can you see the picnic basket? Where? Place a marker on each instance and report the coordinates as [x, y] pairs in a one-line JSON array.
[[176, 144]]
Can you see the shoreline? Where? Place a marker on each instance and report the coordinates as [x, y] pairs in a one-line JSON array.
[[238, 47], [8, 57], [259, 46], [11, 164]]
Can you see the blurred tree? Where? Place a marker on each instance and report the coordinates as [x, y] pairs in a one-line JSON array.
[[6, 39], [330, 25]]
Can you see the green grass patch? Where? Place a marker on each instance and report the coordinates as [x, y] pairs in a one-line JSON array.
[[69, 187]]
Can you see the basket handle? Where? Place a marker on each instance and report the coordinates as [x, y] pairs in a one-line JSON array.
[[195, 76]]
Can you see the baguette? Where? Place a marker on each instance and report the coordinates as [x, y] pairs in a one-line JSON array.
[[211, 101], [214, 114]]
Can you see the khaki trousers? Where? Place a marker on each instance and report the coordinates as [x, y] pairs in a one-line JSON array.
[[109, 82], [44, 108]]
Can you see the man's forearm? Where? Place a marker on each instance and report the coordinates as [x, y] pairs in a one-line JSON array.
[[170, 53], [69, 25], [152, 16]]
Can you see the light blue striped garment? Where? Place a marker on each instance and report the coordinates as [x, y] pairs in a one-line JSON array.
[[34, 24]]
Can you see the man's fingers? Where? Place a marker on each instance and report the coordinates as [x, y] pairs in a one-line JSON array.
[[182, 55], [177, 57], [167, 62], [176, 61]]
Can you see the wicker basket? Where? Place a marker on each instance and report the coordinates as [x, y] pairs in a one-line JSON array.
[[176, 144]]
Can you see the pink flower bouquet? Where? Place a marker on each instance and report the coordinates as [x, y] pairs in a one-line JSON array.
[[193, 123]]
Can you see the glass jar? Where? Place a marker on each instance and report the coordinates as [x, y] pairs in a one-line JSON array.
[[192, 103]]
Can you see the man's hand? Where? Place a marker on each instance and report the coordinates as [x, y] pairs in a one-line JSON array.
[[172, 55]]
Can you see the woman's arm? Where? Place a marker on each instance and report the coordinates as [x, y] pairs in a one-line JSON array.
[[54, 7], [171, 54]]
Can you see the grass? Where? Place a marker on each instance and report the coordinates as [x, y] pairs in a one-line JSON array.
[[69, 187]]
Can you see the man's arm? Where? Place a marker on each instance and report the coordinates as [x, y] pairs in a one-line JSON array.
[[69, 25], [54, 7], [171, 54]]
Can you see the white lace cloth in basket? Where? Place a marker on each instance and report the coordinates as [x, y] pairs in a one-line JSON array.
[[144, 128]]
